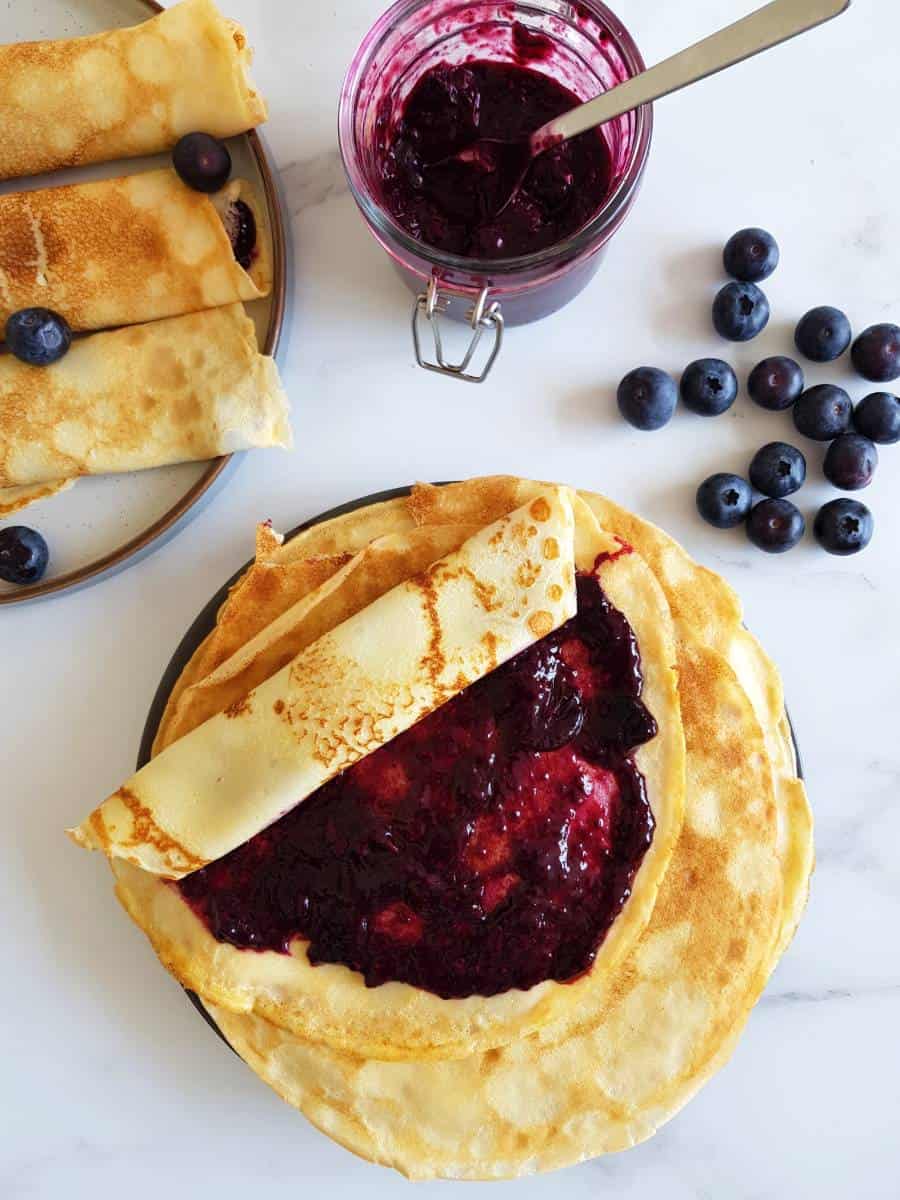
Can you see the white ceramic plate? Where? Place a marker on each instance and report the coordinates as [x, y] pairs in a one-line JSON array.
[[102, 525]]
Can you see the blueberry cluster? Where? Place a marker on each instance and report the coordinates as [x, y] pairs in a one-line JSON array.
[[648, 397]]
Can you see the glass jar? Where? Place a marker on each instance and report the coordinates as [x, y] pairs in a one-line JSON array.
[[591, 51]]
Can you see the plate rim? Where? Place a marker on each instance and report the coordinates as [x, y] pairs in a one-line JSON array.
[[204, 623], [151, 537]]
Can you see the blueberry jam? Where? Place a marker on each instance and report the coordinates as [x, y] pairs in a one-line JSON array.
[[489, 847], [242, 232], [452, 204]]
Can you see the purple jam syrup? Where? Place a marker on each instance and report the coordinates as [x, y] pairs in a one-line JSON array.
[[453, 205], [243, 237], [489, 847]]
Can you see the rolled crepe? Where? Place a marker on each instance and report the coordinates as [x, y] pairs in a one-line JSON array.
[[126, 92], [14, 499], [345, 695], [192, 387], [122, 251]]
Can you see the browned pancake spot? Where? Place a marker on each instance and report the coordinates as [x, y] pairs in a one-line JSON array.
[[167, 372], [434, 660], [238, 708], [527, 574], [551, 548], [540, 509], [187, 409], [485, 593], [736, 949], [540, 623], [489, 641], [99, 827], [147, 833]]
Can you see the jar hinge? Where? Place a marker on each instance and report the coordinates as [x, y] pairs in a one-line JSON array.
[[481, 316]]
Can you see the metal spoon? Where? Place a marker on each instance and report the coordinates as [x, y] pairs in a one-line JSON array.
[[508, 162]]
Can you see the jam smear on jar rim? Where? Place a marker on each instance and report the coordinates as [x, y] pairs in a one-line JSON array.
[[489, 847]]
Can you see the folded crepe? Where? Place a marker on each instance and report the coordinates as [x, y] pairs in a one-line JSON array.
[[125, 92], [189, 388], [137, 248], [610, 1072], [349, 692], [330, 1003], [651, 1028], [14, 499]]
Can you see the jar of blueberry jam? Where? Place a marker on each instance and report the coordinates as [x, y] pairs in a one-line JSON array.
[[430, 79]]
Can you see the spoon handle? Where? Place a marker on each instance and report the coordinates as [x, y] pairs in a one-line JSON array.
[[760, 31]]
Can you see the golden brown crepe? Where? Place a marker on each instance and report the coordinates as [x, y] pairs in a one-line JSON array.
[[330, 1003], [191, 387], [326, 591], [122, 251], [607, 1071], [346, 694], [14, 499], [125, 92], [610, 1072], [601, 1081]]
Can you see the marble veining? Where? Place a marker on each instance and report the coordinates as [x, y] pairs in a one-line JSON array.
[[310, 182], [111, 1084]]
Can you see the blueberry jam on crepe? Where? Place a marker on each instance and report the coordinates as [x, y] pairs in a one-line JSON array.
[[489, 847], [240, 225], [451, 203]]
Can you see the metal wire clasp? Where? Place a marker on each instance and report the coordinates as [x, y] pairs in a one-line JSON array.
[[481, 316]]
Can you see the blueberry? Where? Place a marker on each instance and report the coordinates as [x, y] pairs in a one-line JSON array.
[[724, 500], [850, 462], [878, 418], [751, 255], [740, 312], [775, 526], [823, 412], [202, 161], [647, 398], [876, 353], [38, 336], [778, 470], [776, 383], [843, 526], [823, 334], [709, 387], [23, 554]]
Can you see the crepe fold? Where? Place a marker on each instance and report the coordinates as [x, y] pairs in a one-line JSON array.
[[14, 499], [351, 691], [127, 250], [329, 1004], [191, 387], [633, 1052], [645, 1029], [125, 92]]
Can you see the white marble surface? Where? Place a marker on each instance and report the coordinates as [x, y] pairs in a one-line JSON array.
[[111, 1085]]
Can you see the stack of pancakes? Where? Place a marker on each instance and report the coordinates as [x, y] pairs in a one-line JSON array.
[[501, 1086]]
